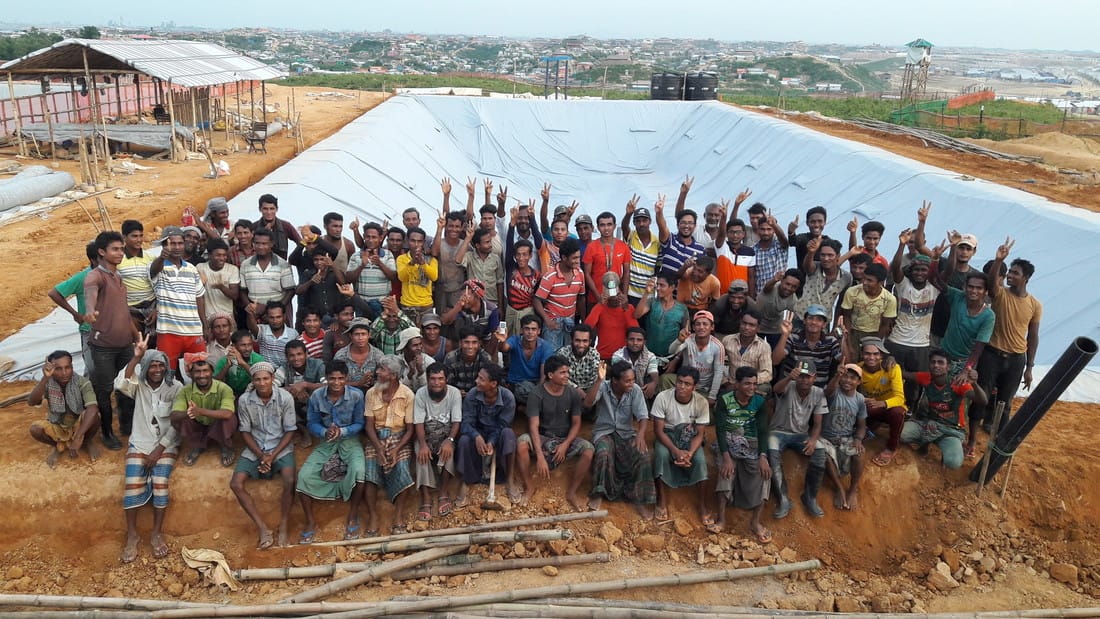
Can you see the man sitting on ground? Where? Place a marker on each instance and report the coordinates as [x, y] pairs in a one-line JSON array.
[[582, 357], [623, 465], [464, 364], [301, 376], [680, 419], [154, 443], [741, 427], [268, 424], [940, 414], [73, 413], [798, 399], [437, 416], [554, 422], [882, 386], [644, 361], [487, 414], [234, 369], [702, 351], [526, 353], [842, 436], [746, 348], [204, 411]]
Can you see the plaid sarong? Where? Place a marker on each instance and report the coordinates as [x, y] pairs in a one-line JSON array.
[[143, 484], [394, 477], [672, 475], [619, 470]]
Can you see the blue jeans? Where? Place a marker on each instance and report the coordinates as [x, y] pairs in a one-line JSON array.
[[779, 441], [562, 335]]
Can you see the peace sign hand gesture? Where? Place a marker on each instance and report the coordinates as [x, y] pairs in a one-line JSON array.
[[141, 346]]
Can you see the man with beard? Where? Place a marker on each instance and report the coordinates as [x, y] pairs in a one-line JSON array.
[[373, 270], [797, 401], [771, 254], [437, 417], [680, 419], [221, 327], [698, 349], [729, 308], [645, 363], [487, 414], [154, 443], [741, 427], [582, 358], [810, 344], [527, 353], [747, 348], [825, 280], [222, 280], [300, 377], [194, 245], [622, 467], [909, 339], [72, 409], [203, 412], [777, 297], [645, 250], [940, 414], [336, 467], [464, 363], [414, 363], [389, 434], [282, 233], [560, 297], [554, 425], [417, 273], [268, 424], [181, 307], [113, 331], [214, 223]]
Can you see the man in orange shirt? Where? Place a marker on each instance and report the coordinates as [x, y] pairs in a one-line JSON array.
[[698, 287], [606, 255]]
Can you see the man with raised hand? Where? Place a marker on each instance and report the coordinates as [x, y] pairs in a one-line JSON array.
[[676, 249], [815, 221], [797, 401], [153, 446], [560, 295], [940, 414], [72, 410], [268, 424], [645, 249]]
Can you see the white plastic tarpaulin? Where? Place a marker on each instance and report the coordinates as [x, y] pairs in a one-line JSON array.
[[602, 152]]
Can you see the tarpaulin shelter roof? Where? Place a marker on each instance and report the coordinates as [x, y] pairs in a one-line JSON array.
[[183, 63]]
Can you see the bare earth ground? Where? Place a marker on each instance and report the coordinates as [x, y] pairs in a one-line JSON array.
[[62, 530]]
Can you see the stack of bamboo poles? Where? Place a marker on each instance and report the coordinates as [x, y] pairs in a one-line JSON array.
[[938, 140]]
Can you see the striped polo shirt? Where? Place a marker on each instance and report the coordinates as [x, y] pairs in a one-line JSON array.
[[373, 284], [134, 272], [674, 253], [643, 262], [559, 293], [266, 285], [272, 348], [178, 289]]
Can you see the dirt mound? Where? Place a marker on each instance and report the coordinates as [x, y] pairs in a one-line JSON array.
[[1056, 149]]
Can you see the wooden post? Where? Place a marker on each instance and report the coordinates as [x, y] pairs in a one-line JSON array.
[[49, 124], [251, 101], [118, 96], [263, 102], [18, 119], [137, 89], [171, 124], [237, 92], [225, 113]]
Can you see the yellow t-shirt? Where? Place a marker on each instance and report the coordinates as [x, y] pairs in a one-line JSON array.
[[867, 313], [416, 281]]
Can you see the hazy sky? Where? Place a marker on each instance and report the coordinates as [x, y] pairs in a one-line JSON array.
[[1052, 24]]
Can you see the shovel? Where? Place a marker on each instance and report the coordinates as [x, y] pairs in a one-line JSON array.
[[491, 502]]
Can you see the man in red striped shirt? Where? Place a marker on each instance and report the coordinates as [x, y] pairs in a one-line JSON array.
[[560, 297], [522, 281]]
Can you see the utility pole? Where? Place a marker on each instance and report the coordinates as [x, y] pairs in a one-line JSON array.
[[604, 94], [514, 77]]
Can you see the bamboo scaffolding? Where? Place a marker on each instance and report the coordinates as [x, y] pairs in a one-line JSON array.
[[502, 537], [354, 580], [171, 125], [18, 118], [49, 124], [474, 528]]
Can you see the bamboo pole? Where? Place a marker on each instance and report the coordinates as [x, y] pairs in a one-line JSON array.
[[171, 124], [137, 89], [475, 528], [118, 97], [18, 118], [49, 124], [86, 602], [92, 97], [316, 571], [501, 537], [377, 609], [627, 608], [354, 580], [502, 566], [79, 614], [225, 113]]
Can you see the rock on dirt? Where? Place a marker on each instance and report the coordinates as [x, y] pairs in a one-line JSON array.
[[549, 570], [652, 543], [682, 527], [610, 533], [845, 604], [1064, 572], [596, 544], [940, 579]]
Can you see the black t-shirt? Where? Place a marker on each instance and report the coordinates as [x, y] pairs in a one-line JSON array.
[[941, 312], [555, 413]]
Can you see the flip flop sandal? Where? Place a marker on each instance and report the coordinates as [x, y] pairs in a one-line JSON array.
[[228, 457], [306, 537], [445, 506], [969, 452], [425, 513], [713, 527], [160, 550], [398, 529], [351, 531], [267, 540], [764, 537], [192, 457], [884, 459]]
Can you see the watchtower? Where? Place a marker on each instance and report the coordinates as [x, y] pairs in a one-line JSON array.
[[915, 80]]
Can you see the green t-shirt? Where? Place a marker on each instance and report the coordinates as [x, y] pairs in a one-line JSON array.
[[74, 287], [744, 428], [963, 329], [219, 397], [237, 377], [663, 327]]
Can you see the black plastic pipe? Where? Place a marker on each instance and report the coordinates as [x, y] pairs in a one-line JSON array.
[[1061, 374]]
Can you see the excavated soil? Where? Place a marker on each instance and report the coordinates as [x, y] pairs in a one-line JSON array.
[[1039, 546]]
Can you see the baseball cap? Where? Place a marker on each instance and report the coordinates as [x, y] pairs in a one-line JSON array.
[[611, 284], [739, 285], [702, 314], [876, 342], [194, 229], [167, 232], [583, 219], [430, 319], [851, 367], [805, 367], [816, 310], [969, 239], [358, 323], [560, 210], [407, 335], [214, 205], [642, 213]]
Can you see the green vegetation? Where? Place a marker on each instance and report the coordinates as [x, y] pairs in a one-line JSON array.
[[886, 64], [374, 81], [867, 78], [480, 53], [370, 47], [87, 32], [1042, 113], [252, 43], [23, 44], [849, 107], [616, 74]]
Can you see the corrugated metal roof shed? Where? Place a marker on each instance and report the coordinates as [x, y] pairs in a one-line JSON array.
[[184, 63]]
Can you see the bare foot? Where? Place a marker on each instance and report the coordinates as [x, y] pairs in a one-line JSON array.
[[93, 451], [516, 496], [130, 551], [662, 513], [594, 503], [51, 458], [853, 499], [839, 500], [160, 548], [266, 540], [575, 502], [283, 538]]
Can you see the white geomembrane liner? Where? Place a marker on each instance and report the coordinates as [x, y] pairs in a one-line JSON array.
[[602, 152]]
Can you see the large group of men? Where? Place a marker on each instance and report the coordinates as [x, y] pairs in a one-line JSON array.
[[400, 360]]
